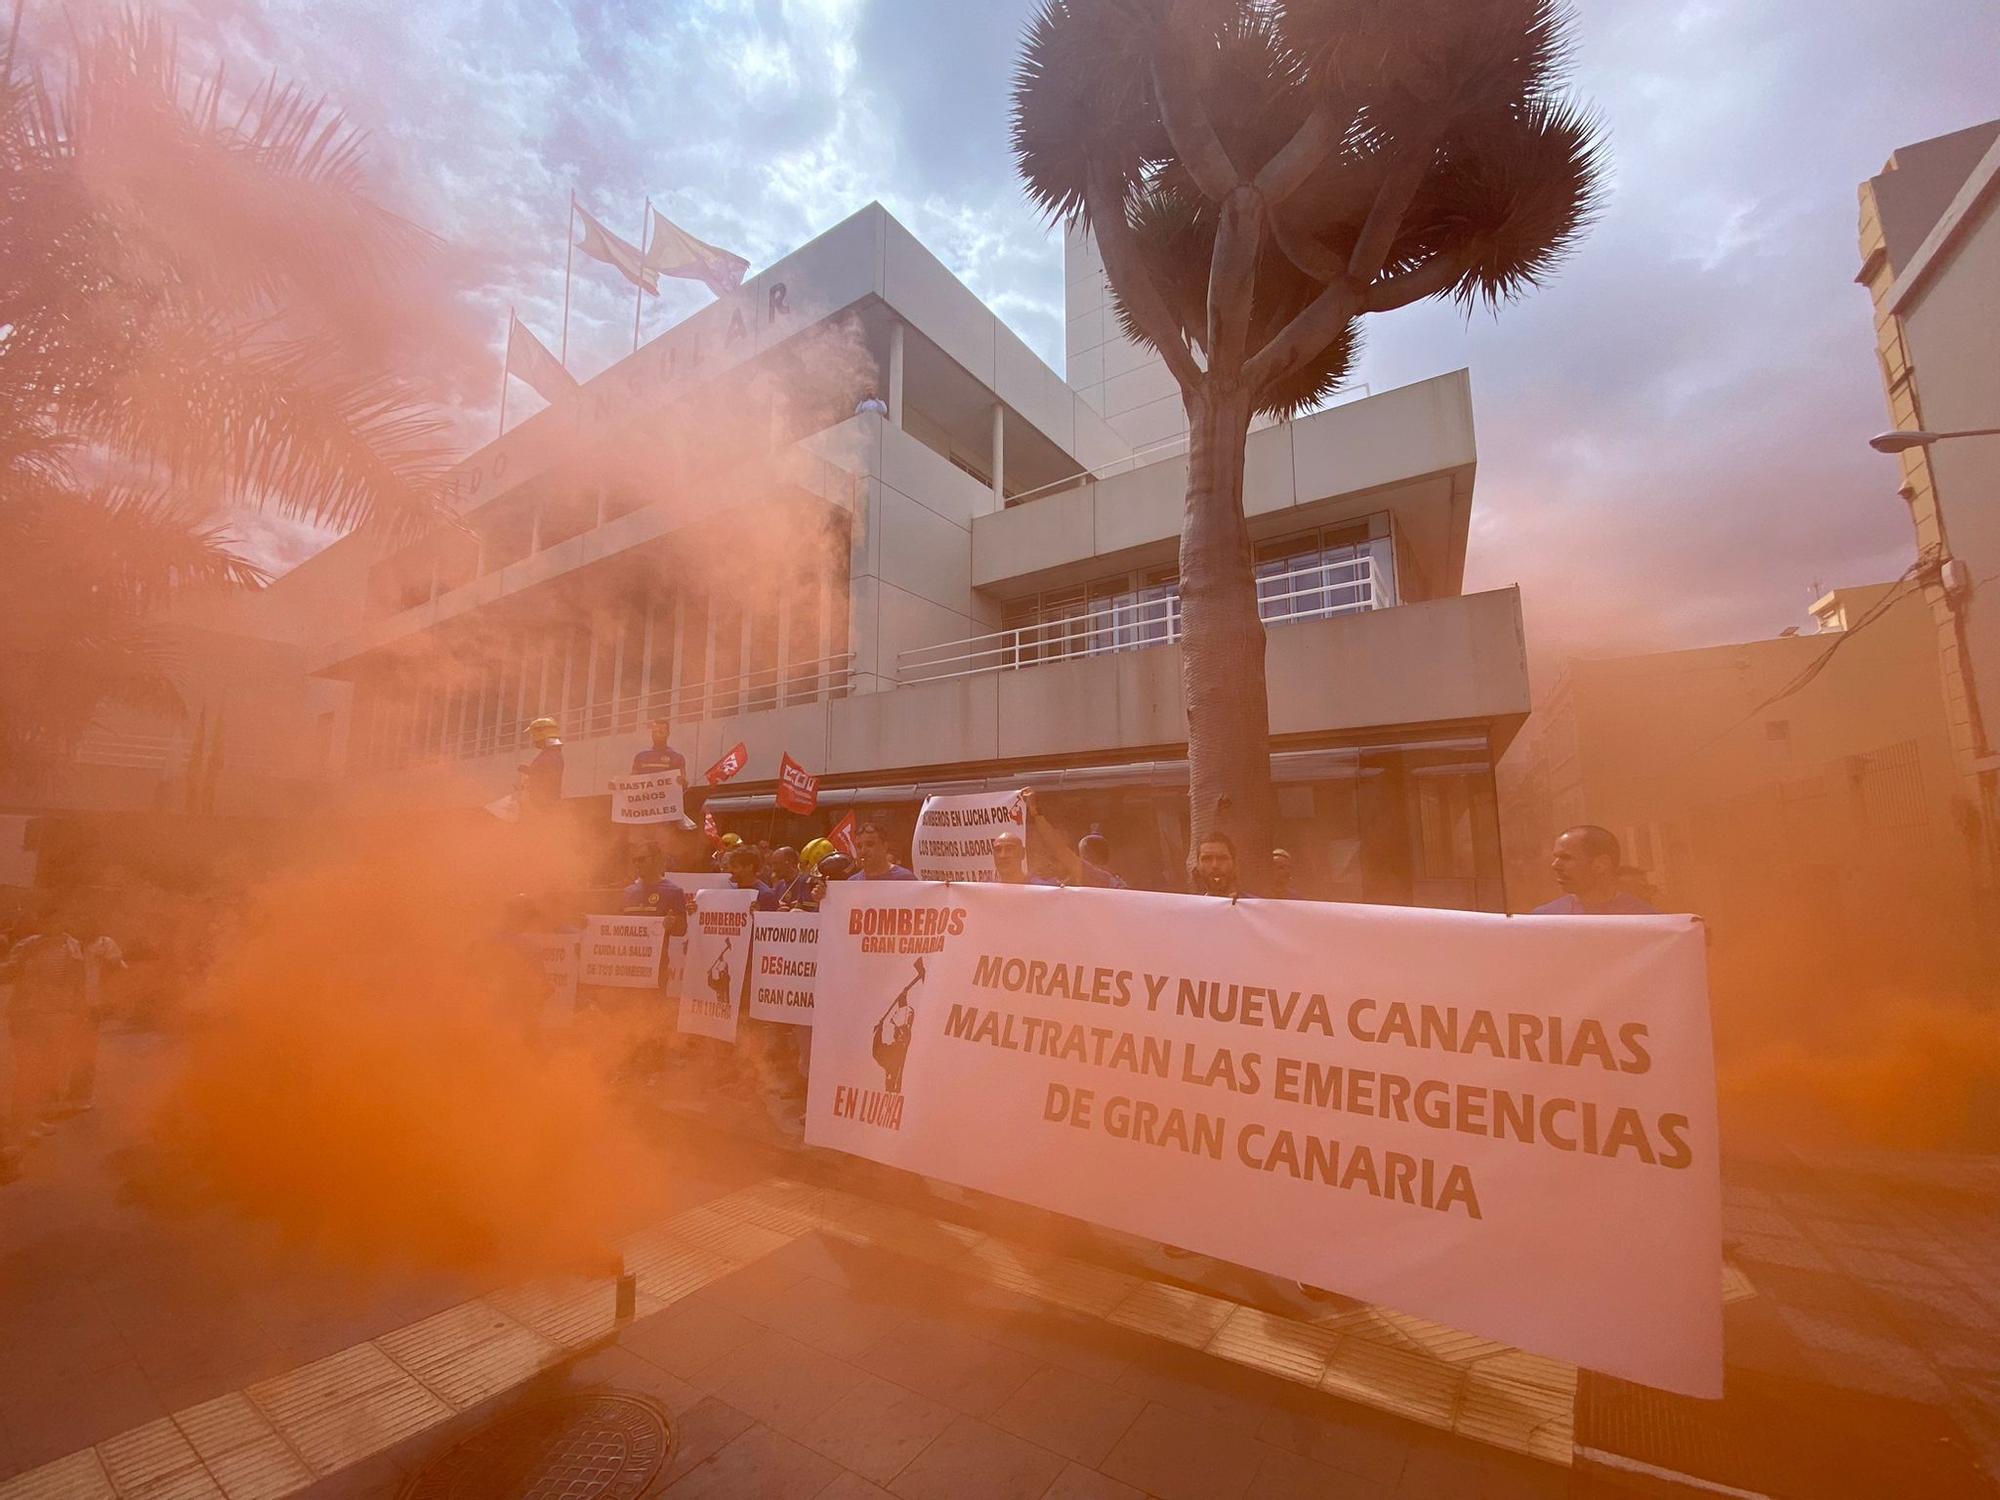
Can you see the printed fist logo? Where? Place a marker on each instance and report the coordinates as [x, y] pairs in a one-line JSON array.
[[718, 975], [892, 1034]]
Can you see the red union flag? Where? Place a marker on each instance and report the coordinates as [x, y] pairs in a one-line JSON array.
[[841, 836], [729, 765], [797, 791]]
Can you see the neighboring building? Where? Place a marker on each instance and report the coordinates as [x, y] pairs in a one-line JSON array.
[[979, 586], [1930, 249], [1802, 786]]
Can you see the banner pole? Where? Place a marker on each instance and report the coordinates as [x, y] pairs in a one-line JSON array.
[[506, 372], [569, 262], [639, 293]]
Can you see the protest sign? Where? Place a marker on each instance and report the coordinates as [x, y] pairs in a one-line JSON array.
[[718, 957], [699, 880], [954, 837], [798, 790], [673, 965], [623, 951], [783, 949], [1504, 1124], [652, 798], [557, 953]]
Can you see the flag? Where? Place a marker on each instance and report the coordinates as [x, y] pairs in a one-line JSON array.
[[529, 358], [797, 791], [842, 837], [621, 255], [729, 765], [675, 252]]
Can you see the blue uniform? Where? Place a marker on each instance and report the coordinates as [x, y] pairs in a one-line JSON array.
[[894, 872], [1571, 905], [650, 760], [657, 898], [767, 896], [1097, 875]]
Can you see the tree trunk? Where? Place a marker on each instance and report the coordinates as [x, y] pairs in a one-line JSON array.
[[1222, 640]]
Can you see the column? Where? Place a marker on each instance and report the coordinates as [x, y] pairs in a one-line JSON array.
[[535, 528], [895, 392], [999, 455]]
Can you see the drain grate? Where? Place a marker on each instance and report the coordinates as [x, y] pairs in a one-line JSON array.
[[599, 1445]]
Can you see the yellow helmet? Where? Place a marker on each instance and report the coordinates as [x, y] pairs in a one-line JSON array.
[[814, 852], [541, 726], [731, 840]]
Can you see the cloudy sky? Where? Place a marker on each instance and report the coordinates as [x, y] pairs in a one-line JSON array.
[[1671, 435]]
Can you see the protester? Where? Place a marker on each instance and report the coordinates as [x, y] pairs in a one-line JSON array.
[[101, 955], [1093, 852], [46, 967], [826, 870], [652, 894], [743, 876], [659, 756], [1010, 861], [870, 402], [1587, 864], [1215, 865], [792, 884], [541, 779], [873, 846], [1281, 874]]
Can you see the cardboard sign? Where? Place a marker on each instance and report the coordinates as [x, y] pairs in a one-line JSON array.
[[1504, 1124], [797, 791], [954, 837], [784, 954], [652, 798], [718, 959], [623, 951], [729, 765], [558, 953]]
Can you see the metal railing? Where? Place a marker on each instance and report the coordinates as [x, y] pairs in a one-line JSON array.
[[1313, 592], [415, 742]]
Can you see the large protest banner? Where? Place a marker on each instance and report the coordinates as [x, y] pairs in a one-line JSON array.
[[1504, 1124], [718, 957], [652, 798], [623, 951], [557, 952], [954, 837], [784, 955]]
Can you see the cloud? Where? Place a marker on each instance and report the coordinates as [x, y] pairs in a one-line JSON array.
[[1672, 434]]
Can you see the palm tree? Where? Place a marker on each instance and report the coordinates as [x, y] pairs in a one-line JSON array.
[[1260, 175], [193, 303]]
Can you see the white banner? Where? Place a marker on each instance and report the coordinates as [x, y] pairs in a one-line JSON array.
[[784, 951], [699, 880], [1505, 1124], [954, 837], [718, 957], [652, 798], [557, 954], [623, 951], [675, 963]]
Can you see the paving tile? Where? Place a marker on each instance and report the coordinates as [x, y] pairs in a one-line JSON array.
[[1205, 1388], [1172, 1312], [146, 1456], [689, 1336], [703, 1429], [263, 1470], [60, 1417], [1070, 1342], [973, 1461], [1442, 1468], [1286, 1476], [1072, 1414], [80, 1476], [876, 1428], [1078, 1483], [757, 1462], [569, 1312], [964, 1372], [778, 1380], [620, 1369], [834, 1318], [850, 1486], [1165, 1454], [331, 1436]]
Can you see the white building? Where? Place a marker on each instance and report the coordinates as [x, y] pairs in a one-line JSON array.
[[978, 586]]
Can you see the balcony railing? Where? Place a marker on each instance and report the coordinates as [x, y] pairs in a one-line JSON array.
[[411, 741], [1313, 592]]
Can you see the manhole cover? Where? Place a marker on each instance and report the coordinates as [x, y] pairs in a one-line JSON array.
[[601, 1445]]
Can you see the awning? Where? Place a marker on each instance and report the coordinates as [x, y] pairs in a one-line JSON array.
[[1163, 775]]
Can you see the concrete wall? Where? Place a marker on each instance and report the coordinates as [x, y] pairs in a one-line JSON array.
[[1409, 450], [1461, 660]]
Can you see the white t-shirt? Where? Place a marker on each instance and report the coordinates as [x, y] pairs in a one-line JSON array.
[[99, 954]]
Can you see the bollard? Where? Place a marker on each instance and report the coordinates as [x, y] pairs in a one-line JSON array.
[[628, 1295]]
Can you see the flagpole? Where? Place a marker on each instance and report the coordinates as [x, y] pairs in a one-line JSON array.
[[639, 295], [506, 371], [569, 261]]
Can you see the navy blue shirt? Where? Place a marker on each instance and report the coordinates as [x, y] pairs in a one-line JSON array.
[[794, 891], [650, 760], [767, 896], [1570, 904], [1097, 875], [894, 872], [656, 898], [542, 777]]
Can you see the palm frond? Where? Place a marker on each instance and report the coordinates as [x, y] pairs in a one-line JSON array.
[[1083, 100]]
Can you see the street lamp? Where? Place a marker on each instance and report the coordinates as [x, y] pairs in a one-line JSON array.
[[1901, 441]]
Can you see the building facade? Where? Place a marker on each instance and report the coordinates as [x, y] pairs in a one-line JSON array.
[[1930, 251], [975, 586]]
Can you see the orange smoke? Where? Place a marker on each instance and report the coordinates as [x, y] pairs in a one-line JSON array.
[[369, 1073]]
